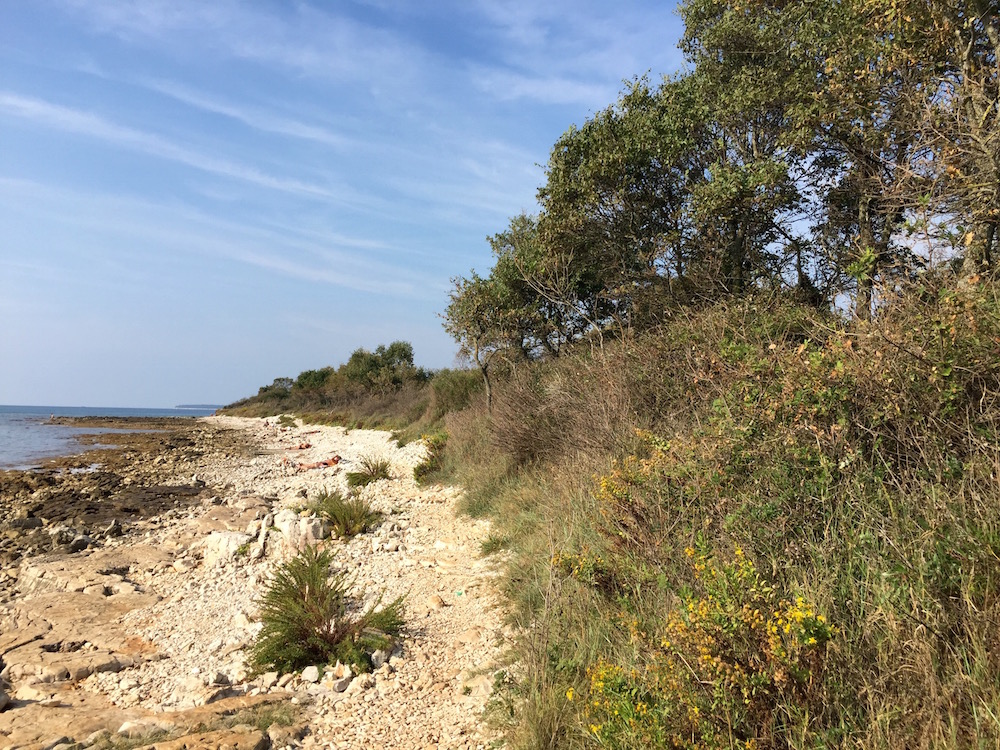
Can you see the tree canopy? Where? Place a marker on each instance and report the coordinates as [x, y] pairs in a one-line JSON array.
[[821, 146]]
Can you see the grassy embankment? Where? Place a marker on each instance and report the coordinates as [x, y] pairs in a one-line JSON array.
[[755, 526]]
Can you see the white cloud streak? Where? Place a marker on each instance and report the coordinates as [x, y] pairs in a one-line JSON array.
[[505, 85], [318, 258], [84, 123], [256, 119]]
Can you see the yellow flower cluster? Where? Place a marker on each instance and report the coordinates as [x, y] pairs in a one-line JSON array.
[[732, 649], [583, 566]]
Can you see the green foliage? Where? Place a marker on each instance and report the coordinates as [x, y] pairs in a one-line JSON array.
[[312, 379], [732, 661], [829, 147], [279, 390], [452, 390], [493, 544], [431, 465], [371, 388], [372, 470], [347, 517], [385, 368], [851, 470], [306, 619]]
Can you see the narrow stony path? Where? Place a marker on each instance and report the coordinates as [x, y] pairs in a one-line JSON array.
[[431, 694]]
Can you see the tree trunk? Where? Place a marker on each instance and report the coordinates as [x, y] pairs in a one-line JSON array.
[[866, 243], [979, 254], [485, 369], [735, 257]]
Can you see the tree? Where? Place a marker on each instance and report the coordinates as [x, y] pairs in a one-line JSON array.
[[964, 118], [613, 226], [386, 368], [748, 205], [533, 311], [472, 318]]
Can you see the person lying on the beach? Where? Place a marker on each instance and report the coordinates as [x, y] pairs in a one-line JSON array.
[[332, 461]]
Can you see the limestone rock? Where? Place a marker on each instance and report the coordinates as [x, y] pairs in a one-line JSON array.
[[268, 680], [225, 738], [339, 677], [145, 727], [300, 533], [222, 546], [472, 635], [31, 693]]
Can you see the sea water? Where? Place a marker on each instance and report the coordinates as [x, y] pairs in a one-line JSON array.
[[27, 436]]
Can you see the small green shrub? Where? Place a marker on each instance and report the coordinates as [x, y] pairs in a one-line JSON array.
[[286, 420], [494, 543], [372, 470], [266, 715], [732, 660], [347, 517], [432, 464], [306, 620]]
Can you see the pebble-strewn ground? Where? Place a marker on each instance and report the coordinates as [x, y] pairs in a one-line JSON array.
[[171, 604]]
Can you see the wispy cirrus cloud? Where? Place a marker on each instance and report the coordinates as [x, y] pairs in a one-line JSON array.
[[75, 121], [575, 51], [511, 85], [254, 118], [318, 257], [314, 41]]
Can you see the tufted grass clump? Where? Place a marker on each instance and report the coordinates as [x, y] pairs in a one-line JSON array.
[[347, 517], [431, 465], [372, 469], [307, 619]]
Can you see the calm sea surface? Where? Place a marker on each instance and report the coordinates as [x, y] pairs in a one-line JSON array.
[[26, 437]]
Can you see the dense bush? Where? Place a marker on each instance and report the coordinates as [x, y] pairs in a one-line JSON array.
[[306, 619], [347, 517], [453, 390], [370, 388]]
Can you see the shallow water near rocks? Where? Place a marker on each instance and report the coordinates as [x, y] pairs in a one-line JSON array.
[[28, 436]]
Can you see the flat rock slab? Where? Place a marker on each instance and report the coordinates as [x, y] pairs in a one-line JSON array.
[[73, 617], [74, 713], [78, 714], [106, 568], [223, 739]]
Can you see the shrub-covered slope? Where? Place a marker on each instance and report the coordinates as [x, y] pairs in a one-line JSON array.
[[753, 527]]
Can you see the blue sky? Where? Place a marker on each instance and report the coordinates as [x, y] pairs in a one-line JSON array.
[[198, 197]]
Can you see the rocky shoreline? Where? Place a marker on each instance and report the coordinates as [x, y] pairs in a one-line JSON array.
[[130, 576]]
